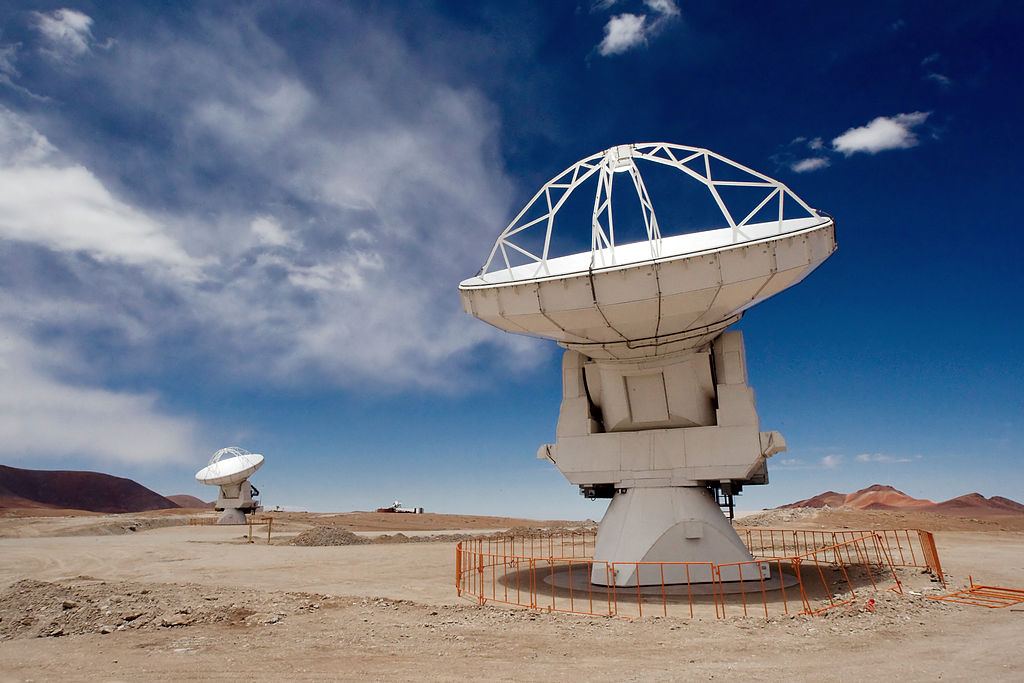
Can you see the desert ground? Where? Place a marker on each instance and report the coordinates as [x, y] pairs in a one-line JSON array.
[[146, 597]]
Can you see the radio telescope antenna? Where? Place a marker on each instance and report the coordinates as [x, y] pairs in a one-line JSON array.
[[230, 469], [656, 411]]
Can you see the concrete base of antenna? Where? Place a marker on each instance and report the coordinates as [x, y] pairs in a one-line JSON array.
[[656, 435], [236, 501], [668, 524]]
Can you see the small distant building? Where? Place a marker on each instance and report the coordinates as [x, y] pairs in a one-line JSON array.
[[397, 507]]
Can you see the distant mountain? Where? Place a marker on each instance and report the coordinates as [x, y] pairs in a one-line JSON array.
[[186, 501], [69, 490], [881, 497]]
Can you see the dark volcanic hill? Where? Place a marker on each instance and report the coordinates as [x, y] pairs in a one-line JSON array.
[[69, 490], [186, 501], [881, 497]]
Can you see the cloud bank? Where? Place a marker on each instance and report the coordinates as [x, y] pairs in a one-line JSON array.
[[269, 224], [42, 416]]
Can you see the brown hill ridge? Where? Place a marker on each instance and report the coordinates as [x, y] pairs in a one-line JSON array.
[[69, 490], [882, 497], [186, 501]]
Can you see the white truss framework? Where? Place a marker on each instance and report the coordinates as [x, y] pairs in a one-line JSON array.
[[695, 162]]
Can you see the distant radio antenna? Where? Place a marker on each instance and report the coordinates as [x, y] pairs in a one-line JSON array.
[[656, 412], [230, 469]]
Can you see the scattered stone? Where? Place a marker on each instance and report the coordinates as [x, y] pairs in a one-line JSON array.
[[179, 619]]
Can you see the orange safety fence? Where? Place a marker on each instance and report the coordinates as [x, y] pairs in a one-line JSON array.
[[250, 520], [985, 596], [892, 545], [556, 572]]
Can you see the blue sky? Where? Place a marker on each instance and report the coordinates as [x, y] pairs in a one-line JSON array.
[[244, 223]]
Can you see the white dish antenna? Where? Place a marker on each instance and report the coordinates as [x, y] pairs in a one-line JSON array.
[[656, 412], [230, 469], [665, 293]]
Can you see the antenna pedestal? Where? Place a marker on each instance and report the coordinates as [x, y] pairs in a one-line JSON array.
[[668, 524], [235, 500], [656, 435]]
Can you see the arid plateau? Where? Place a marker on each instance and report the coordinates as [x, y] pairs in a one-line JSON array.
[[145, 596]]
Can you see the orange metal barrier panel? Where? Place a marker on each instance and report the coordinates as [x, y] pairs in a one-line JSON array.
[[798, 572], [985, 596]]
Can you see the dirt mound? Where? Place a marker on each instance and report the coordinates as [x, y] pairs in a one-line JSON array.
[[92, 491], [37, 609], [331, 535], [881, 497], [326, 535]]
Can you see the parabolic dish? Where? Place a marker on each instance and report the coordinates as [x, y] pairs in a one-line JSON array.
[[655, 296], [229, 466]]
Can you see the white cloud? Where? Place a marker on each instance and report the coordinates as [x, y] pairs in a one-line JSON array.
[[816, 144], [68, 209], [43, 417], [21, 144], [665, 7], [944, 82], [622, 33], [269, 232], [68, 32], [882, 458], [64, 207], [831, 461], [333, 224], [8, 55], [883, 133], [810, 164]]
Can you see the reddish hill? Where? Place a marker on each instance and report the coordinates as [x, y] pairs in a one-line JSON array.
[[880, 497], [69, 490], [186, 501]]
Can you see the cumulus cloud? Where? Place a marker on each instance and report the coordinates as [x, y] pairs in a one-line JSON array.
[[622, 33], [626, 31], [42, 416], [810, 164], [67, 32], [882, 133]]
